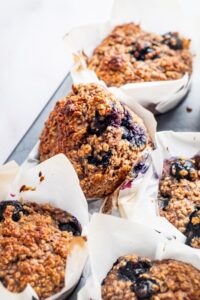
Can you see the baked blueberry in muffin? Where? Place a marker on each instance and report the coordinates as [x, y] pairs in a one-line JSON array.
[[102, 137], [136, 278], [179, 196], [129, 54], [35, 241]]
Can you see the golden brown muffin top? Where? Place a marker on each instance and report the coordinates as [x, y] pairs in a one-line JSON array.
[[179, 196], [102, 137], [129, 54], [136, 278], [35, 241]]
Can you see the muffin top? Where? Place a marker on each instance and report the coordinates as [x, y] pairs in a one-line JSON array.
[[179, 196], [102, 137], [136, 278], [129, 54], [35, 241]]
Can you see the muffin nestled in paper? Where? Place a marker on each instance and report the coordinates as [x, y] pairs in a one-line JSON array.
[[104, 140], [179, 196], [135, 277], [36, 241], [129, 54]]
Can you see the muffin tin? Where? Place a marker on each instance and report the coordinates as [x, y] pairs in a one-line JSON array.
[[145, 233]]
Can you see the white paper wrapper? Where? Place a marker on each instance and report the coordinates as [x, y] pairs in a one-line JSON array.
[[116, 237], [142, 205], [159, 96], [61, 189]]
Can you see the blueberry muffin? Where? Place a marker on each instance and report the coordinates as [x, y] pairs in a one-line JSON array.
[[135, 278], [179, 196], [129, 54], [35, 241], [103, 138]]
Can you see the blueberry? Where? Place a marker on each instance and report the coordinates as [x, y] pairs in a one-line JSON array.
[[193, 226], [183, 169], [135, 135], [103, 160], [127, 121], [132, 132], [133, 269], [145, 288], [16, 217], [16, 214], [140, 52], [71, 226], [100, 123], [172, 40]]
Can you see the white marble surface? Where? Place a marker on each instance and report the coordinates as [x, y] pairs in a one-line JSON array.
[[32, 57]]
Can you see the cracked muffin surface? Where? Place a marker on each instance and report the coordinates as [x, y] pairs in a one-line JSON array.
[[179, 196], [135, 278], [103, 138], [129, 54], [35, 241]]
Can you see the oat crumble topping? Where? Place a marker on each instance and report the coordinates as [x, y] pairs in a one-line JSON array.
[[179, 196], [103, 138], [35, 241], [135, 278], [129, 54]]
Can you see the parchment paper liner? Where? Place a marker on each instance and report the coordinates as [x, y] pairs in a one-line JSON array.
[[142, 206], [158, 96], [61, 189], [116, 237]]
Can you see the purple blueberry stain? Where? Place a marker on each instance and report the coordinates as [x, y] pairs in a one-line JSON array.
[[140, 168], [133, 132], [127, 185]]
